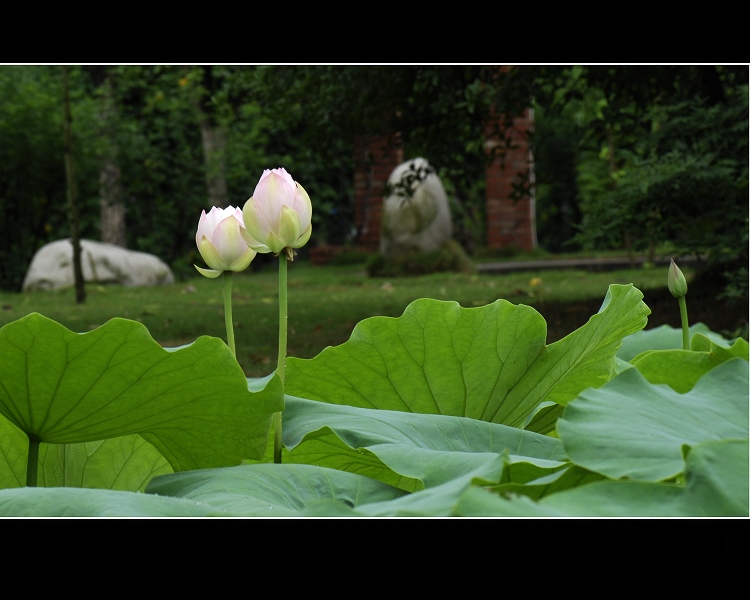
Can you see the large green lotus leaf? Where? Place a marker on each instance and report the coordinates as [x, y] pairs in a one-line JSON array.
[[603, 499], [274, 490], [632, 428], [421, 450], [437, 358], [480, 502], [713, 343], [716, 485], [488, 363], [433, 468], [547, 482], [663, 337], [192, 404], [586, 358], [544, 418], [79, 502], [456, 497], [681, 369], [125, 463], [13, 454], [718, 478], [438, 501], [323, 448]]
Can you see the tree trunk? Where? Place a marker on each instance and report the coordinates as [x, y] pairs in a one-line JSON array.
[[111, 206], [74, 219], [214, 142], [214, 138]]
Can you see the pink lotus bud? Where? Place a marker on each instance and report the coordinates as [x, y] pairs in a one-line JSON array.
[[278, 215], [220, 242]]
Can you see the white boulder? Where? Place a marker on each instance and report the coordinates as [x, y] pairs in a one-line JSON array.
[[52, 266], [416, 214]]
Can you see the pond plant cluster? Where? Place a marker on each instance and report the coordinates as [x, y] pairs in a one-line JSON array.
[[443, 411]]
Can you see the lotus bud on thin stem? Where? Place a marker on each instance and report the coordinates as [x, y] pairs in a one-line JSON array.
[[678, 287], [278, 219], [220, 243]]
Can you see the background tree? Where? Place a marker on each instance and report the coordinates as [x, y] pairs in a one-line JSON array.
[[32, 171], [556, 149], [674, 142], [442, 113], [162, 161], [33, 202], [627, 157], [112, 221], [207, 82], [74, 216]]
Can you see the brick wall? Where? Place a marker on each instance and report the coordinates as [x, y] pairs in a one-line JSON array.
[[375, 158], [511, 224]]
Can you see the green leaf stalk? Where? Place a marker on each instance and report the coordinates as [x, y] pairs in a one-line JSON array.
[[280, 368], [678, 287], [228, 311]]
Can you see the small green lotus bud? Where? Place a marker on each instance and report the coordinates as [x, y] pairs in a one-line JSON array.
[[676, 281]]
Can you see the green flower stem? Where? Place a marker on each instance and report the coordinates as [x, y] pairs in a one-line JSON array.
[[228, 311], [281, 365], [684, 319], [32, 465]]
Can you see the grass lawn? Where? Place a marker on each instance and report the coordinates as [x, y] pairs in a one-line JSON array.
[[325, 303]]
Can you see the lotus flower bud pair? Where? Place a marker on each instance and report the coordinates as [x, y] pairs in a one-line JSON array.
[[276, 218]]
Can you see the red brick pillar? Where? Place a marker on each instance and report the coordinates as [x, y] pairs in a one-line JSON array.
[[511, 223], [375, 157]]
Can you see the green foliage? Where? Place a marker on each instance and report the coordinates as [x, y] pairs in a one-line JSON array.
[[327, 302], [666, 161], [310, 133], [558, 214], [658, 456], [442, 411], [158, 137], [350, 256], [150, 128], [191, 405], [33, 204], [419, 342], [450, 258], [705, 354], [439, 112], [644, 142], [427, 414]]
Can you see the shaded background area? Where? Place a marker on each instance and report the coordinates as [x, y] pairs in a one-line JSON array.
[[633, 158], [728, 317]]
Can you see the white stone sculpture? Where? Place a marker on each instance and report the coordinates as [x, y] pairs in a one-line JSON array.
[[416, 213], [52, 266]]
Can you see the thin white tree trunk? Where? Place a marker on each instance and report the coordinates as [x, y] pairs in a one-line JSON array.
[[111, 206], [214, 143]]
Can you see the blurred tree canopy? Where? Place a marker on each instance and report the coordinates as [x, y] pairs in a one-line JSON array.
[[626, 156], [662, 157]]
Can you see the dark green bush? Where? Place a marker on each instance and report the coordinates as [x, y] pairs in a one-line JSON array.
[[451, 257], [351, 256]]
